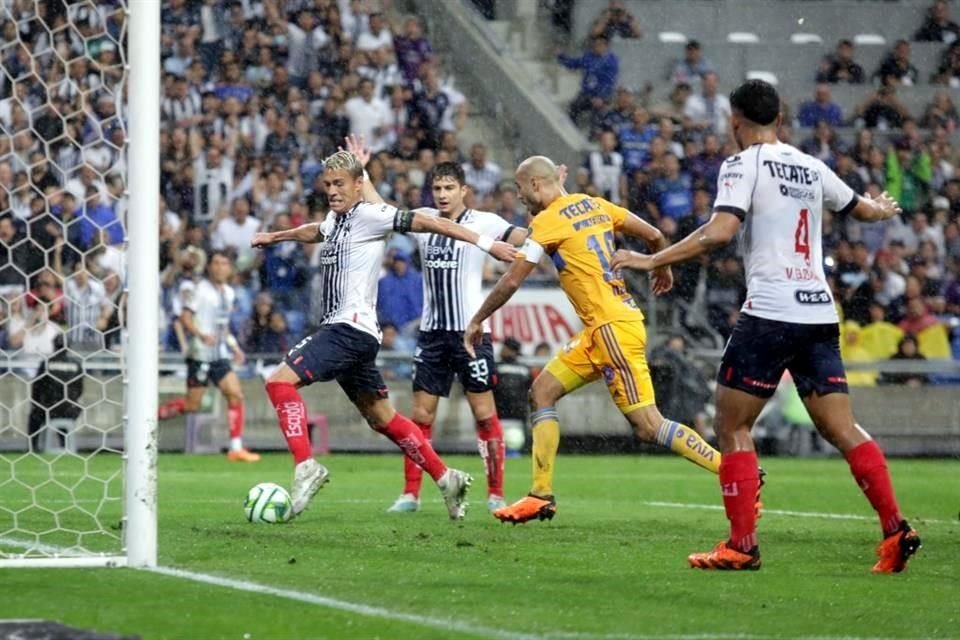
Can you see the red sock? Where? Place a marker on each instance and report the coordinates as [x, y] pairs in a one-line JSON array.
[[406, 435], [490, 443], [171, 408], [412, 474], [292, 416], [869, 467], [739, 481], [235, 417]]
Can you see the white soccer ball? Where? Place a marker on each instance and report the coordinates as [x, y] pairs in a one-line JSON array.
[[269, 503]]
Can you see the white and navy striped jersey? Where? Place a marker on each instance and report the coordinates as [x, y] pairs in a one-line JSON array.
[[211, 307], [350, 259], [779, 193], [453, 271]]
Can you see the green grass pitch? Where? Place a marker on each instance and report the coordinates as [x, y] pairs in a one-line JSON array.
[[610, 566]]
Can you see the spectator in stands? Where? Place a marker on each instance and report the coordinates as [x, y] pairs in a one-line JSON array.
[[412, 48], [369, 116], [704, 167], [937, 26], [882, 109], [822, 144], [840, 67], [692, 67], [601, 67], [896, 67], [726, 290], [482, 175], [88, 309], [948, 72], [906, 350], [604, 169], [918, 317], [54, 393], [680, 385], [400, 299], [510, 209], [673, 190], [634, 140], [266, 329], [821, 109], [908, 175], [708, 111], [941, 113], [616, 21], [234, 232], [283, 268], [617, 115]]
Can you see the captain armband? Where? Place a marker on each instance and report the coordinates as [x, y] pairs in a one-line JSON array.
[[403, 221]]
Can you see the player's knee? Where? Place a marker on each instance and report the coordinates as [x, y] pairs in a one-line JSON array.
[[645, 422], [541, 397], [234, 398], [421, 415]]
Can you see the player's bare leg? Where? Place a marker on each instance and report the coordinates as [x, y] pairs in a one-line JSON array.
[[308, 474], [233, 393], [540, 503], [382, 417], [490, 444], [834, 419], [739, 482], [423, 415]]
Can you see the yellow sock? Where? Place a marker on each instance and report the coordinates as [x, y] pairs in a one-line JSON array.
[[686, 442], [546, 440]]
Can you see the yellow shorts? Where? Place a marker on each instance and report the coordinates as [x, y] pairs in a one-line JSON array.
[[614, 351]]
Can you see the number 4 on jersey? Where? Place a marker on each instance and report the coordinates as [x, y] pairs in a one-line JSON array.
[[801, 237]]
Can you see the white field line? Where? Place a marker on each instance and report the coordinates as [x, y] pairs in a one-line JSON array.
[[783, 512], [442, 624]]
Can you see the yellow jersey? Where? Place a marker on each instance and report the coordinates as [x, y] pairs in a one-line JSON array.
[[577, 232]]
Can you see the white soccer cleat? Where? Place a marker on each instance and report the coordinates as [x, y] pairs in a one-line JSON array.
[[406, 503], [308, 477], [495, 502], [453, 485]]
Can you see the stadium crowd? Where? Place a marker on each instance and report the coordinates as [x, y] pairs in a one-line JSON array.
[[897, 283], [255, 93]]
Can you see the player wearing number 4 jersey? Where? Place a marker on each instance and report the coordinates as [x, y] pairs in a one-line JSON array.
[[777, 195], [352, 243], [577, 232]]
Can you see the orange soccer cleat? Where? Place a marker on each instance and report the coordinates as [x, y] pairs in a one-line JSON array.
[[896, 549], [528, 508], [725, 558], [242, 455]]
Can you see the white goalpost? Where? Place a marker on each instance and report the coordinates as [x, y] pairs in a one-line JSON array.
[[82, 492]]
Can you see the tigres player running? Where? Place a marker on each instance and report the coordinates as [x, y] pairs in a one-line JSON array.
[[577, 232]]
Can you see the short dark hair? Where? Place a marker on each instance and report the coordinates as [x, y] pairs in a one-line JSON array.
[[757, 101], [448, 170]]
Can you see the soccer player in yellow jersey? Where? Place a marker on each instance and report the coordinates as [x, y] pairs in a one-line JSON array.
[[577, 232]]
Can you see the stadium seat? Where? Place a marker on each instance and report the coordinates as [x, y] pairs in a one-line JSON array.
[[743, 37], [869, 40], [766, 76], [805, 38], [671, 36]]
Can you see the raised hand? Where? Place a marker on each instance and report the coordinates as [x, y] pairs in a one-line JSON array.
[[887, 205], [357, 147]]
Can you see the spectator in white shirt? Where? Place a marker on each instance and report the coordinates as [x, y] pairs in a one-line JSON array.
[[236, 231], [305, 39], [482, 175], [212, 178], [369, 116], [376, 36], [88, 309], [383, 70], [708, 111]]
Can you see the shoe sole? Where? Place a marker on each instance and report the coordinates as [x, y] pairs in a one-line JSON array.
[[315, 486], [546, 512], [727, 567]]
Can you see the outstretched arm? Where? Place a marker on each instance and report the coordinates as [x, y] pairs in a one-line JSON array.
[[503, 291], [721, 228], [435, 224], [305, 233]]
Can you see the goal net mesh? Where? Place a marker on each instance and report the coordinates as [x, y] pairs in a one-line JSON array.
[[62, 272]]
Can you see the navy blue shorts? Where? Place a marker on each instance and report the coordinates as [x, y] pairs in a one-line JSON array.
[[339, 352], [200, 374], [759, 351], [440, 356]]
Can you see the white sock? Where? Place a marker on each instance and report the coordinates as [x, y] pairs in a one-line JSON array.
[[236, 444]]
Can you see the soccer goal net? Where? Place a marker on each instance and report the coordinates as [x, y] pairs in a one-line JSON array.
[[77, 446]]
